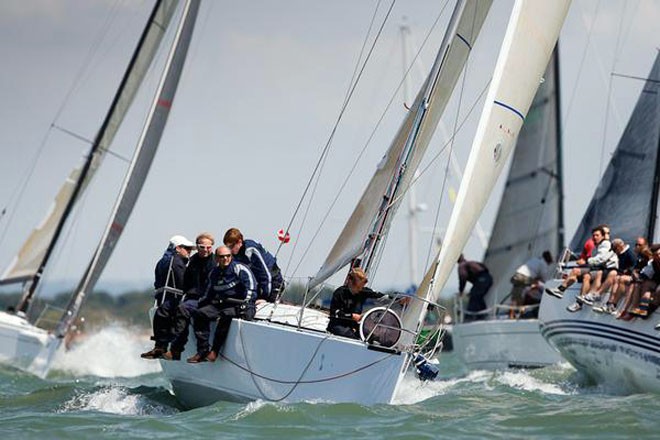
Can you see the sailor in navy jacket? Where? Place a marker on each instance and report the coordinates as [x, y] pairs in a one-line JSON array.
[[230, 293], [262, 263]]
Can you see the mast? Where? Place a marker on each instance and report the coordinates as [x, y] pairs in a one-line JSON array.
[[140, 163], [654, 197], [412, 199], [373, 241], [358, 243], [140, 60], [560, 166]]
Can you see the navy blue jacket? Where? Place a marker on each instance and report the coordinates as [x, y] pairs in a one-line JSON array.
[[162, 274], [234, 281], [627, 261], [261, 262]]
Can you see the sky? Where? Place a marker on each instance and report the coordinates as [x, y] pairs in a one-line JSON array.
[[263, 85]]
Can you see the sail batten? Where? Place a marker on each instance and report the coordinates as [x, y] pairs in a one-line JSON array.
[[371, 218]]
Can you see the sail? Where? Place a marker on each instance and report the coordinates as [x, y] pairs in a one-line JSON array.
[[140, 163], [410, 142], [626, 196], [529, 220], [530, 37], [30, 257]]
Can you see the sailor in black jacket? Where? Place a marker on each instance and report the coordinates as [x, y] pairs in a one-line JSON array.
[[347, 302], [195, 284]]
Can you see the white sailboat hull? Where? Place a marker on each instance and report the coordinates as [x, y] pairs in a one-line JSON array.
[[24, 346], [273, 362], [623, 356], [502, 343]]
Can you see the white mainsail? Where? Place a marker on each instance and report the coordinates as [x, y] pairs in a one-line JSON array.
[[371, 218], [140, 163], [531, 35], [30, 258]]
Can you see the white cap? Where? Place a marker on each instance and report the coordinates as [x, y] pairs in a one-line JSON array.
[[180, 240]]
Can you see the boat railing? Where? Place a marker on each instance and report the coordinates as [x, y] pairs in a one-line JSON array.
[[49, 317], [428, 339], [498, 311]]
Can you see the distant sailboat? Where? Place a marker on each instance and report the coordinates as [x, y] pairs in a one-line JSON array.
[[529, 221], [621, 355], [24, 344], [275, 362]]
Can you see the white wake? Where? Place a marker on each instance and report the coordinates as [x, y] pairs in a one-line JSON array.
[[113, 351]]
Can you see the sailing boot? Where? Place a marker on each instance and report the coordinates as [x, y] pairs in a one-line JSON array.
[[156, 353], [197, 358], [172, 355]]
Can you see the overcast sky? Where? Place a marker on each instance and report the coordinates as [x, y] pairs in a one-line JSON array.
[[262, 88]]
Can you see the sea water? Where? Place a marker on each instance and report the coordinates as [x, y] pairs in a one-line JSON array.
[[102, 389]]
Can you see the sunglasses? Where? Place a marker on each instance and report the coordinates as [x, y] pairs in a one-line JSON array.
[[224, 256], [201, 246]]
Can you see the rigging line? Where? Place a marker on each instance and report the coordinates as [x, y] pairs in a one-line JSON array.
[[22, 186], [609, 92], [444, 147], [352, 83], [592, 25], [90, 142], [326, 148], [302, 224], [640, 78], [346, 98], [371, 136]]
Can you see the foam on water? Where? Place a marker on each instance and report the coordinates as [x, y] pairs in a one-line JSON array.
[[412, 390], [111, 400], [524, 381], [113, 351]]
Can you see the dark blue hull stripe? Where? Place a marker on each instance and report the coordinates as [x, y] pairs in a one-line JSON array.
[[600, 326], [508, 107], [629, 338]]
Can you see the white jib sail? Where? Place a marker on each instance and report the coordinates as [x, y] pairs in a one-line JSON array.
[[430, 102], [26, 263], [531, 35]]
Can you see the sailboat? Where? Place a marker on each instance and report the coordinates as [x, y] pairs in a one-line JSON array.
[[529, 221], [622, 356], [24, 343], [271, 361]]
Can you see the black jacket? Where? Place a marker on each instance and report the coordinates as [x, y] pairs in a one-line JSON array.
[[196, 277], [344, 304]]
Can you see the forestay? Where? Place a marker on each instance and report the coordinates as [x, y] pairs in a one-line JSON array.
[[530, 37], [372, 216]]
